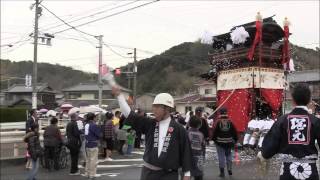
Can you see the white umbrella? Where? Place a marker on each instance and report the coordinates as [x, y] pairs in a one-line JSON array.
[[87, 109], [74, 110], [43, 110], [66, 106], [51, 113]]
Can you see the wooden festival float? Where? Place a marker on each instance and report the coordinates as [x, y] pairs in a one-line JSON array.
[[248, 65]]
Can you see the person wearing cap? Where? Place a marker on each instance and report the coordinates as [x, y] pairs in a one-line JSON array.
[[293, 136], [167, 147], [224, 136], [92, 135]]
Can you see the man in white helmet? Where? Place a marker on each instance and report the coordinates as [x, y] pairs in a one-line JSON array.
[[167, 144]]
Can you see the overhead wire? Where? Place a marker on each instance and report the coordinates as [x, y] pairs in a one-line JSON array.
[[105, 17], [72, 27], [92, 15], [115, 52], [76, 15], [11, 49]]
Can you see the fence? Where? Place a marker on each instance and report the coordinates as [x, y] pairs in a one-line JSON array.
[[11, 137]]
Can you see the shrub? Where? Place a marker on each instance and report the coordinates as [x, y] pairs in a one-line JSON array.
[[13, 114]]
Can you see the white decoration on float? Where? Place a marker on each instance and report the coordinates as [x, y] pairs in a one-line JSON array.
[[239, 35]]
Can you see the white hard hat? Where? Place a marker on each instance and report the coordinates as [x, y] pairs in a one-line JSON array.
[[164, 99]]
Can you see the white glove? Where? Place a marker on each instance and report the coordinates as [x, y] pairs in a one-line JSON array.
[[260, 157], [110, 79]]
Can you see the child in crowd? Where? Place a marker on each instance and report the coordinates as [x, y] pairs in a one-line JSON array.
[[131, 135]]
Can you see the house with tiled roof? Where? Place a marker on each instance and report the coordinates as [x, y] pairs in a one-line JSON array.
[[204, 97], [311, 77], [87, 93], [18, 95]]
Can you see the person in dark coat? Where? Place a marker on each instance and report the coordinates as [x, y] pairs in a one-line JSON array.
[[293, 136], [34, 148], [198, 144], [137, 141], [204, 128], [167, 143], [52, 141], [33, 119], [74, 143], [224, 136]]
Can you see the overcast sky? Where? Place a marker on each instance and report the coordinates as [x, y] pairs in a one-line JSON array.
[[152, 29]]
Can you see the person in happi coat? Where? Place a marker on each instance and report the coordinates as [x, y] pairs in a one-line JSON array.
[[293, 137], [225, 137], [167, 145]]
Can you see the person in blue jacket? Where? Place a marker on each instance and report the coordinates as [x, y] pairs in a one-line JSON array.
[[92, 135]]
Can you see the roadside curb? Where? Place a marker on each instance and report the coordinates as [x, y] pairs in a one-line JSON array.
[[12, 161]]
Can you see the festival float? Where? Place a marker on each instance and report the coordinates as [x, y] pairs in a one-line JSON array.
[[248, 65]]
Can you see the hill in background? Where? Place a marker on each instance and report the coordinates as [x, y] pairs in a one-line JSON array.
[[57, 76], [174, 71]]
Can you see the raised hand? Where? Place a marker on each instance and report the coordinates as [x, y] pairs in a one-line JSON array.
[[115, 90]]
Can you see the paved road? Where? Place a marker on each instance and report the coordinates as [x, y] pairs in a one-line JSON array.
[[129, 167]]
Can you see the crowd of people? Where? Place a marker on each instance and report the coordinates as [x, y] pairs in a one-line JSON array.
[[174, 146]]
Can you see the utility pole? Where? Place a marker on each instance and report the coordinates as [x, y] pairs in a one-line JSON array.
[[100, 85], [35, 56], [135, 77], [129, 76]]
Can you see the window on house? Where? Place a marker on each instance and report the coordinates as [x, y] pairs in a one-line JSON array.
[[74, 95], [208, 91], [107, 96]]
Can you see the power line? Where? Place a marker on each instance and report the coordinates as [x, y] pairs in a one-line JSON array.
[[108, 45], [77, 14], [92, 14], [131, 48], [17, 46], [115, 52], [117, 13], [72, 27]]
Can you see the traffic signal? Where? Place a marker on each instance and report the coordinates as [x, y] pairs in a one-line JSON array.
[[117, 71]]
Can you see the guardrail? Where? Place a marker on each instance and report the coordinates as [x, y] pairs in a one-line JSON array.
[[43, 122], [17, 136], [11, 136]]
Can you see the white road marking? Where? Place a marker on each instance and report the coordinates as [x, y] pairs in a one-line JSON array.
[[138, 152], [110, 174], [115, 166], [121, 160]]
